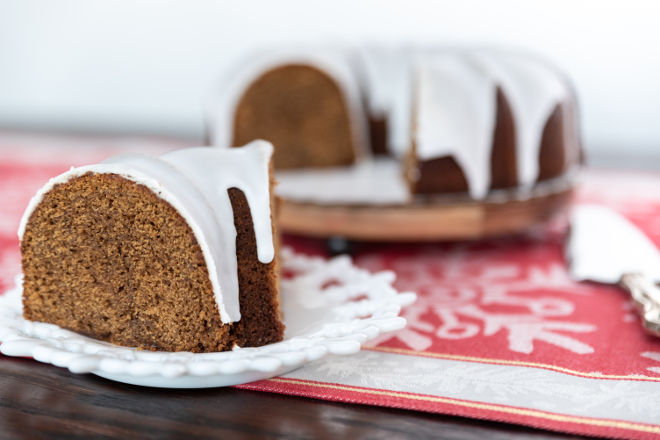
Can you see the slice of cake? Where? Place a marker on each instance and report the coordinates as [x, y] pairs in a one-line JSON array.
[[173, 253]]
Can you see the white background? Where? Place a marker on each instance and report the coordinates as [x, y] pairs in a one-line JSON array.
[[146, 66]]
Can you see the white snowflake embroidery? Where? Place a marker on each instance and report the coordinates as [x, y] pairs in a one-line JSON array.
[[653, 355], [462, 287]]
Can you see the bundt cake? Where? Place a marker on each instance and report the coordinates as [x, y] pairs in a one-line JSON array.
[[174, 253], [460, 121]]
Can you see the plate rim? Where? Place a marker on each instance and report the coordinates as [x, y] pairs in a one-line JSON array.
[[51, 344]]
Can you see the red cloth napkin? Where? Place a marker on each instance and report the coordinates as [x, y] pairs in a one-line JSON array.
[[499, 331]]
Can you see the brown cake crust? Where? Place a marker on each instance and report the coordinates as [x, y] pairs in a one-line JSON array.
[[443, 175], [106, 257], [302, 112], [260, 322], [378, 128], [503, 169], [552, 157]]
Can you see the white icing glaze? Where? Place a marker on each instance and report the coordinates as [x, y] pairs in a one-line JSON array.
[[194, 182], [335, 63], [376, 182], [603, 245], [387, 79], [571, 131], [533, 91], [455, 111], [380, 183], [249, 171], [570, 115]]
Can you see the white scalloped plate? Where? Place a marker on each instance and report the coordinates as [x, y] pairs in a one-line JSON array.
[[329, 307]]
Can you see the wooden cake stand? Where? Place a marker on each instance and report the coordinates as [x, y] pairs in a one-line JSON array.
[[430, 220]]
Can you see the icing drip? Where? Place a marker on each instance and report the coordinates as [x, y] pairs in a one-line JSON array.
[[449, 93], [571, 132], [387, 78], [194, 182], [249, 173], [336, 64], [533, 91], [456, 106]]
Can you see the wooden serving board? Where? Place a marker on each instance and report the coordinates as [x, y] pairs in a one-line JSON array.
[[422, 221]]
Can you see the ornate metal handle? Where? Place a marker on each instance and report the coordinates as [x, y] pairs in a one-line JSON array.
[[646, 296]]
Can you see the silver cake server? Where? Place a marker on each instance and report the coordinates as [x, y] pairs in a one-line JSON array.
[[605, 247]]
